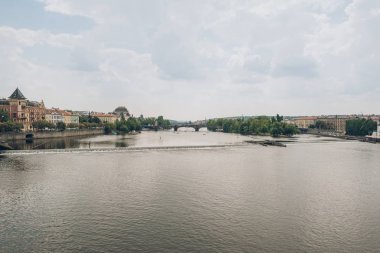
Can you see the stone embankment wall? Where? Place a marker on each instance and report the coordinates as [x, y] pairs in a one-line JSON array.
[[50, 134]]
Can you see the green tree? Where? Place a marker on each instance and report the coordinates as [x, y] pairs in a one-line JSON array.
[[42, 124], [61, 126], [258, 125], [95, 120], [360, 127], [89, 119], [290, 130], [10, 126], [72, 125], [276, 129], [109, 128], [4, 116], [122, 117], [160, 121]]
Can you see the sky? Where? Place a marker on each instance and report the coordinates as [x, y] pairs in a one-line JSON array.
[[194, 59]]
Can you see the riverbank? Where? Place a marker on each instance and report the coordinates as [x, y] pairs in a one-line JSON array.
[[317, 132], [14, 136]]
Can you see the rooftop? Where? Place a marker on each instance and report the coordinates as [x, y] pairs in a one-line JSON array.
[[17, 94]]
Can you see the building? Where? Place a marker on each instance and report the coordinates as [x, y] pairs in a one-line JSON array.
[[304, 122], [105, 118], [70, 118], [54, 115], [376, 134], [121, 110], [81, 113], [23, 111], [335, 123]]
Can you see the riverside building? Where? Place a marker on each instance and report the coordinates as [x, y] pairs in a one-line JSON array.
[[26, 112], [304, 122], [337, 123], [23, 111]]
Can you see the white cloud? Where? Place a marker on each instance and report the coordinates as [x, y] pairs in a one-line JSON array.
[[193, 59]]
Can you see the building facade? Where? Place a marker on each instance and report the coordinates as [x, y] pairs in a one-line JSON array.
[[23, 111], [105, 118], [70, 118], [54, 115], [336, 123], [304, 122]]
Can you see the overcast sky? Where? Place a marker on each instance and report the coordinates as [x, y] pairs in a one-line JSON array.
[[194, 59]]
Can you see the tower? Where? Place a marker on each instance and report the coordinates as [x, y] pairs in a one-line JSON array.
[[17, 103]]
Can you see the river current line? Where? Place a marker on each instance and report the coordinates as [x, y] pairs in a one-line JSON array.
[[109, 150]]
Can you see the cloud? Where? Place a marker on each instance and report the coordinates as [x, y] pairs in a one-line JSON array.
[[199, 59]]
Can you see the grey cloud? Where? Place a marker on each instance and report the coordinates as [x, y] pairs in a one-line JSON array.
[[296, 67], [219, 57]]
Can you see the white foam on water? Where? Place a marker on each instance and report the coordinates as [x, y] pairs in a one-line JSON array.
[[113, 150]]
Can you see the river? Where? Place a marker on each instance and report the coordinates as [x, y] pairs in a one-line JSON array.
[[315, 195]]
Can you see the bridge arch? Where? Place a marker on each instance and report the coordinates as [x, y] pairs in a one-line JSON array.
[[195, 126]]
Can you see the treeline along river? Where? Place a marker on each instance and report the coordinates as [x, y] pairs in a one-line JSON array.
[[315, 195]]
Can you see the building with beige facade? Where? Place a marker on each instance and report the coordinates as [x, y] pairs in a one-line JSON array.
[[336, 123], [54, 115], [105, 117], [70, 118], [304, 122]]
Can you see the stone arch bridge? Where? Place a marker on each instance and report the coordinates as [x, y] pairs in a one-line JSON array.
[[195, 125]]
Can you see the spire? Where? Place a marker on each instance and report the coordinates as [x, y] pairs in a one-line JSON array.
[[17, 94]]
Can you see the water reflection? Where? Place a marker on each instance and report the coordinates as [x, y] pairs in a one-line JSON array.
[[56, 143], [313, 196], [184, 137]]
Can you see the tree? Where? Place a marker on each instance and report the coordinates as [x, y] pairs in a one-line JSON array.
[[89, 119], [360, 127], [244, 128], [72, 125], [10, 126], [160, 121], [122, 117], [108, 128], [259, 125], [290, 130], [4, 116], [95, 120], [276, 129], [42, 124], [211, 125], [61, 126]]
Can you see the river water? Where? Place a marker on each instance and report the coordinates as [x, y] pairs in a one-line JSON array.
[[315, 195]]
